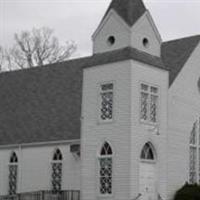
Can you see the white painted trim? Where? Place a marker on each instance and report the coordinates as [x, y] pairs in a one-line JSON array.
[[148, 65], [100, 144], [155, 160], [104, 21], [98, 157], [82, 130], [98, 113], [151, 21], [147, 122], [23, 145]]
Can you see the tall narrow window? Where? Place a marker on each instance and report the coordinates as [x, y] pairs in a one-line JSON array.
[[13, 168], [105, 170], [198, 141], [106, 102], [149, 103], [153, 104], [57, 171], [193, 158]]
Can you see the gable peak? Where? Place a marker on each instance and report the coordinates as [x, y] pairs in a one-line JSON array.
[[129, 10]]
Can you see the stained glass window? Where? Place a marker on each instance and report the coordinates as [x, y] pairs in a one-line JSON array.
[[194, 155], [106, 149], [199, 164], [193, 135], [57, 171], [193, 164], [144, 106], [153, 108], [13, 168], [105, 170], [147, 152], [198, 141], [106, 102], [149, 103]]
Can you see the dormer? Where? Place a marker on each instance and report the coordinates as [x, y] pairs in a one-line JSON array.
[[127, 23]]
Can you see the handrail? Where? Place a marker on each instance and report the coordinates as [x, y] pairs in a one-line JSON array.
[[138, 196]]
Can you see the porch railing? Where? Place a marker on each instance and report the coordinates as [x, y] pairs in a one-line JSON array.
[[44, 195]]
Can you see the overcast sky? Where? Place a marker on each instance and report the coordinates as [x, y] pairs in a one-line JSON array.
[[77, 19]]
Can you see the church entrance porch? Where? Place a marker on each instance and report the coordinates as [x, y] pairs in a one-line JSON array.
[[147, 173]]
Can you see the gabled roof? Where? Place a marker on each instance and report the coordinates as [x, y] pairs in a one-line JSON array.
[[43, 104], [129, 10], [40, 104], [175, 54]]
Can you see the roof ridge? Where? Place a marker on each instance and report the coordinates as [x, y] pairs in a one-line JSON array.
[[84, 60], [175, 54], [182, 38]]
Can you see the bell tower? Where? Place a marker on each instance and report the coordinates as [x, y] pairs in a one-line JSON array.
[[126, 46], [127, 23]]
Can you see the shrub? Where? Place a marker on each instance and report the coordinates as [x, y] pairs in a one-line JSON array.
[[188, 192]]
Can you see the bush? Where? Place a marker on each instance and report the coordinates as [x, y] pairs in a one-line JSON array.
[[188, 192]]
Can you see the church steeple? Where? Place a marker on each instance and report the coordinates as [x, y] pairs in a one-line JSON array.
[[127, 23], [129, 10]]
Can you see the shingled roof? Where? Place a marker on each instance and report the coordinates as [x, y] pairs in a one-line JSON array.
[[129, 10], [175, 54], [44, 103], [40, 104]]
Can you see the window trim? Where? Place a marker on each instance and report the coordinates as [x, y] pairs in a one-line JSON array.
[[17, 172], [56, 162], [154, 161], [99, 156], [148, 122], [98, 108], [195, 146]]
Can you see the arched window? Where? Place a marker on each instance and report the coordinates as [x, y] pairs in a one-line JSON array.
[[57, 155], [147, 152], [13, 168], [105, 169], [57, 171]]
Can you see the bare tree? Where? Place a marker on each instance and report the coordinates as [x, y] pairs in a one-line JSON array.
[[1, 58], [36, 48]]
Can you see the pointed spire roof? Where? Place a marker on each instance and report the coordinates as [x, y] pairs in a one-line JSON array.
[[129, 10]]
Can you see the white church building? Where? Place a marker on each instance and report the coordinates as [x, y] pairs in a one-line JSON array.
[[122, 124]]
